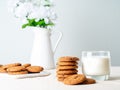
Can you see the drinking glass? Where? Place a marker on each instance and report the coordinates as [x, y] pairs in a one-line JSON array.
[[96, 64]]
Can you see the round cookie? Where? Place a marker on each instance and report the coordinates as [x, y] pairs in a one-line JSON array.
[[11, 65], [67, 63], [75, 58], [18, 73], [64, 75], [2, 70], [68, 58], [60, 78], [89, 81], [1, 65], [67, 67], [34, 69], [16, 69], [67, 72], [75, 79], [26, 65]]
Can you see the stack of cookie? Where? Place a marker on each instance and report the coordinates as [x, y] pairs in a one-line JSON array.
[[66, 66]]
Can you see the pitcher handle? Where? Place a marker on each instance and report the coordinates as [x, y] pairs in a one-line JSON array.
[[58, 40]]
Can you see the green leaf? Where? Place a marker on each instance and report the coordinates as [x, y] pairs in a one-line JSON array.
[[25, 25], [40, 23], [50, 24]]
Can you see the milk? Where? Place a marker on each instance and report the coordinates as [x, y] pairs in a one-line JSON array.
[[96, 66]]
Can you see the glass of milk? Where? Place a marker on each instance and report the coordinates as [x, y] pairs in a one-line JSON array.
[[96, 64]]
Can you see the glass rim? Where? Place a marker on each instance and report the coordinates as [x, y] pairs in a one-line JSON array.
[[91, 52], [96, 51]]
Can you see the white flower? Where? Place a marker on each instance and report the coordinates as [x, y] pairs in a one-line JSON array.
[[53, 16], [13, 2], [38, 13], [33, 9], [36, 2], [37, 19], [49, 27], [47, 2], [22, 1], [46, 20], [12, 5], [23, 10]]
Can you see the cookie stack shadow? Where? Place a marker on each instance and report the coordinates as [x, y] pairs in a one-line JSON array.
[[66, 66]]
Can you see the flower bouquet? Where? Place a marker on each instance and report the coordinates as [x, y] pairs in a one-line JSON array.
[[35, 13]]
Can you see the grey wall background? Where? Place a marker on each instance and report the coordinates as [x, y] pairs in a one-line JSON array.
[[86, 25]]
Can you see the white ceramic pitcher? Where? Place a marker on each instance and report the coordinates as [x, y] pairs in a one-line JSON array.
[[42, 53]]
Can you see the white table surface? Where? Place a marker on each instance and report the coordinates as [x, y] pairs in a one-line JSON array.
[[50, 83]]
